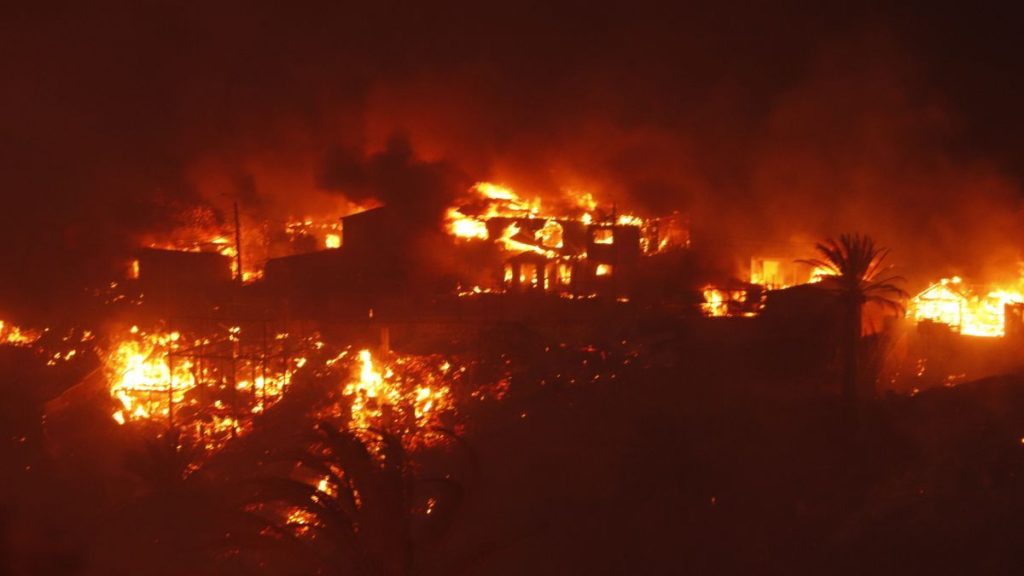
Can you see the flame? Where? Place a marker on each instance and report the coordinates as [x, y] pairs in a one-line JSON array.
[[518, 225], [604, 236], [781, 273], [169, 378], [969, 310], [719, 302], [405, 393], [819, 273], [466, 227], [320, 232], [16, 336], [715, 303], [488, 200], [143, 380]]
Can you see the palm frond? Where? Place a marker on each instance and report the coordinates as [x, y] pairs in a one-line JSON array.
[[860, 271]]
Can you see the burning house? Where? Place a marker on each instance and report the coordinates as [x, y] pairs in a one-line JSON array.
[[576, 252], [969, 310]]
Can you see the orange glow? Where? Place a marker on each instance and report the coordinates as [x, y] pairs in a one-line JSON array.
[[719, 302], [487, 201], [564, 273], [162, 378], [604, 236], [405, 395], [466, 227], [142, 380], [715, 303], [781, 273], [971, 311], [319, 232], [16, 336], [558, 232]]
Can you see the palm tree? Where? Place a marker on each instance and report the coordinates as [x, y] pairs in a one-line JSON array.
[[357, 503], [853, 269]]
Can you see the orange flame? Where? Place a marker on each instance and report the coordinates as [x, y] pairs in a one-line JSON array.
[[970, 311]]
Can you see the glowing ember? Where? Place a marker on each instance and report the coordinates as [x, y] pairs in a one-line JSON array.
[[406, 396], [16, 336]]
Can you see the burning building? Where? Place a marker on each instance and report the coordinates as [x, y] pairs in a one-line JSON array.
[[575, 251], [969, 310]]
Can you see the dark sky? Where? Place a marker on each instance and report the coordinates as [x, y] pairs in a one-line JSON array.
[[772, 121]]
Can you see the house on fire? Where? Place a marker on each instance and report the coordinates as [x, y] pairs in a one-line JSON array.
[[566, 257]]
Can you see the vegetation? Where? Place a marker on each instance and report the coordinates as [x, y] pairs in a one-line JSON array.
[[857, 275]]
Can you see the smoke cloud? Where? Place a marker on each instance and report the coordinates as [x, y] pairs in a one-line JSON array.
[[770, 127]]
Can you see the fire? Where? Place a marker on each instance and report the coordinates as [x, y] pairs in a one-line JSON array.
[[210, 387], [488, 201], [715, 302], [575, 243], [466, 227], [971, 311], [818, 274], [497, 201], [779, 273], [719, 302], [144, 382], [312, 233], [406, 395], [16, 336]]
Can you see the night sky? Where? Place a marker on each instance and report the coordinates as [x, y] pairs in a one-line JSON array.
[[772, 122]]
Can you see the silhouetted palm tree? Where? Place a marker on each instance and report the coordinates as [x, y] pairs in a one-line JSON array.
[[854, 270], [357, 505]]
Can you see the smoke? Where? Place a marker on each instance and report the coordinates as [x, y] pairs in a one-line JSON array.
[[418, 191], [771, 127]]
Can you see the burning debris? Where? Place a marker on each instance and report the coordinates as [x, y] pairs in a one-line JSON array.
[[212, 385], [407, 396], [208, 385], [13, 335]]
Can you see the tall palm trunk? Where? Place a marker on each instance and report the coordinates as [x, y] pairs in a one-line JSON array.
[[850, 351], [854, 273]]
